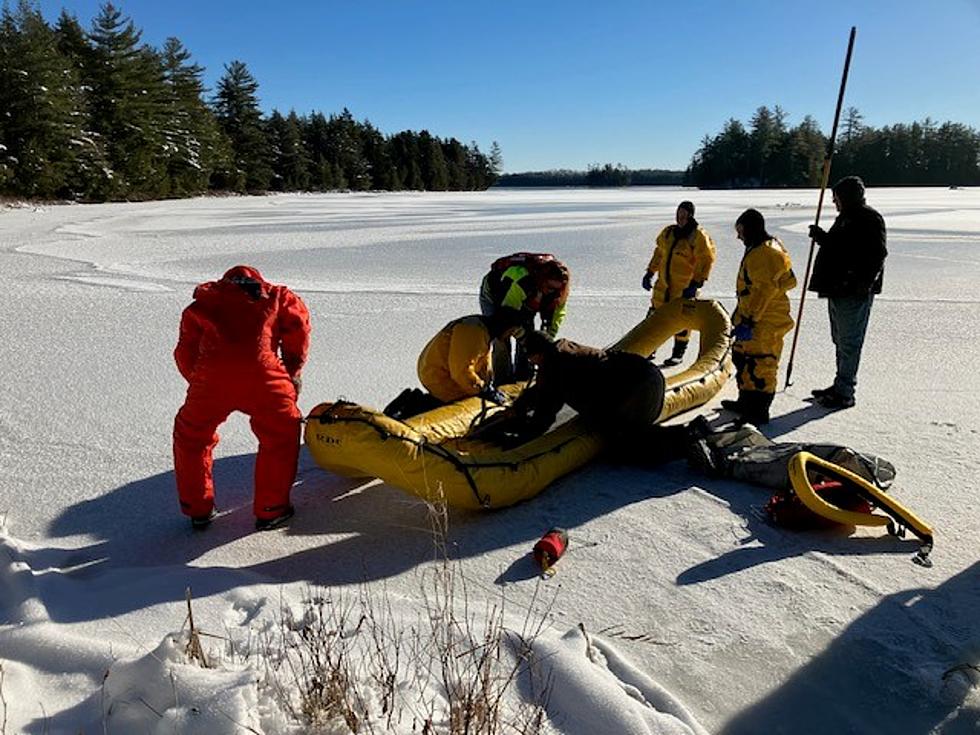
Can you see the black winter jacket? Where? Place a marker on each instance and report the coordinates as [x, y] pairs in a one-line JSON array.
[[609, 389], [851, 259]]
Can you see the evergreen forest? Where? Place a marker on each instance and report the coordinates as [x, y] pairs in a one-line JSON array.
[[96, 114], [603, 175], [771, 154]]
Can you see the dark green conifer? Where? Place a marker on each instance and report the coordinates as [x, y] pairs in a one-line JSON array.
[[236, 107]]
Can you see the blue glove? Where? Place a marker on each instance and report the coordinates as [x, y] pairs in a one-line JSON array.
[[647, 281], [491, 394], [692, 289], [743, 332]]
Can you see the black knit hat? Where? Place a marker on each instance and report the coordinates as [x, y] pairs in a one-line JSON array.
[[689, 206], [849, 190]]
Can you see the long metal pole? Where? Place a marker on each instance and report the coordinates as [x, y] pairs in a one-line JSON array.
[[823, 188]]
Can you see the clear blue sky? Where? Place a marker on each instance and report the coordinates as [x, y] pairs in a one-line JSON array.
[[566, 84]]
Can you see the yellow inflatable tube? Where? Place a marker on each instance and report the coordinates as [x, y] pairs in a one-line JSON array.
[[429, 455], [894, 511]]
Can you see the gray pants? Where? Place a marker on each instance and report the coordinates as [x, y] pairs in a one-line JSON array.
[[508, 362], [745, 454], [848, 325]]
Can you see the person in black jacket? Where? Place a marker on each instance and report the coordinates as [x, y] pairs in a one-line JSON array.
[[615, 392], [848, 272]]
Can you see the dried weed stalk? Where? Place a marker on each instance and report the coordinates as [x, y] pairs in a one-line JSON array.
[[348, 658]]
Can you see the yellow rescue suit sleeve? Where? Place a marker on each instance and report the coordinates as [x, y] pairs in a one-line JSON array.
[[659, 249], [704, 255], [469, 356], [765, 272]]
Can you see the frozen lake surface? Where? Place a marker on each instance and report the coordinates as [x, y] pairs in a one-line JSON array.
[[752, 628]]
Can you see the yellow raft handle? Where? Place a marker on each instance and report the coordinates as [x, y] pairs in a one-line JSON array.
[[893, 508]]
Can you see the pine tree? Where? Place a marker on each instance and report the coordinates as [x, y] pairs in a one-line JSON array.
[[404, 150], [275, 131], [315, 142], [768, 131], [195, 145], [296, 162], [344, 148], [46, 143], [496, 161], [376, 150], [91, 177], [237, 110], [435, 177], [456, 169], [7, 99], [809, 147], [129, 105], [290, 161], [481, 174]]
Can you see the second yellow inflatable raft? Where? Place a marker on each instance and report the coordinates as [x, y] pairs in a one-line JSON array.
[[430, 456], [895, 516]]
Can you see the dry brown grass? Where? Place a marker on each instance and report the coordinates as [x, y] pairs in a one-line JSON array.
[[346, 657]]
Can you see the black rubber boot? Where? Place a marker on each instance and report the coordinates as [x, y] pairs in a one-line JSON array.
[[752, 406], [677, 355], [755, 406]]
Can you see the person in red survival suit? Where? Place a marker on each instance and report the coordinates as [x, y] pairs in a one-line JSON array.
[[243, 343]]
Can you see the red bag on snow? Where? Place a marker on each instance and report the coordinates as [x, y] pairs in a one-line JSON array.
[[787, 510]]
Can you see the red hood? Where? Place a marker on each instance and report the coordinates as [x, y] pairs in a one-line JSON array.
[[238, 278], [243, 271]]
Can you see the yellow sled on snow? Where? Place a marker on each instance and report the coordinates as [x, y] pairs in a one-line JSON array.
[[804, 468], [430, 456]]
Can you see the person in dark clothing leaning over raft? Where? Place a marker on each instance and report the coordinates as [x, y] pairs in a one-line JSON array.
[[615, 392], [848, 272]]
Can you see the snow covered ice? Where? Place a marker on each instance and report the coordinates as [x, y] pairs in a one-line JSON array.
[[697, 616]]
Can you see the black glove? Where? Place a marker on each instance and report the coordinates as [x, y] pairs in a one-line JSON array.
[[692, 289], [647, 281], [491, 394], [816, 232]]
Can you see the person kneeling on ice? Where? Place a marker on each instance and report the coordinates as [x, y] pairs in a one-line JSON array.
[[455, 363], [242, 346], [615, 392]]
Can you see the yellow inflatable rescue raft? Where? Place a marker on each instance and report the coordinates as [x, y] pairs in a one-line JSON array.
[[430, 456]]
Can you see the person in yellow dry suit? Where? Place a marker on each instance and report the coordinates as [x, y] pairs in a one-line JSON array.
[[682, 262], [762, 317], [455, 363]]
